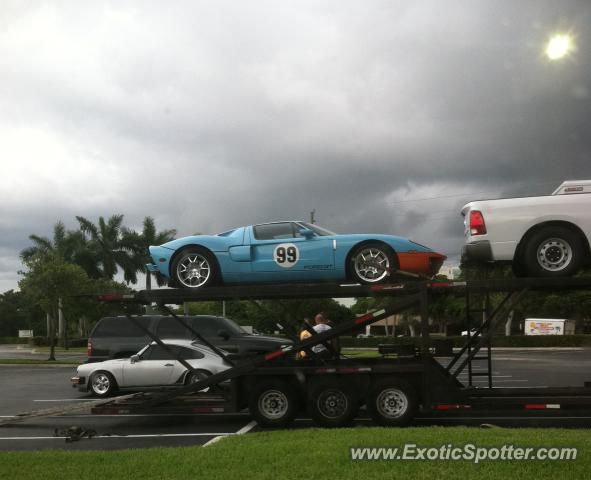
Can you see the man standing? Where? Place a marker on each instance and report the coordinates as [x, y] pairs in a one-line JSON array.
[[321, 326]]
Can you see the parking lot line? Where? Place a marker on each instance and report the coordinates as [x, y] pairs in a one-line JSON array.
[[247, 428], [65, 400]]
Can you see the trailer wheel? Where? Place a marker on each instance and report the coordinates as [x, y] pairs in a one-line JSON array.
[[273, 403], [392, 402], [332, 404]]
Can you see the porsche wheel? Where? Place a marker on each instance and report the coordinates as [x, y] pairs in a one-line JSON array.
[[194, 268], [371, 263], [197, 376], [102, 384]]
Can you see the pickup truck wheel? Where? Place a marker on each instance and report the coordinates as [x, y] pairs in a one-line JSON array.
[[332, 404], [273, 403], [553, 252], [392, 402], [371, 263]]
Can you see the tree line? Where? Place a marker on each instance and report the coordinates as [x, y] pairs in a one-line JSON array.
[[59, 272]]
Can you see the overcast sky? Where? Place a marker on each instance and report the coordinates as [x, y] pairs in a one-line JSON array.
[[209, 115]]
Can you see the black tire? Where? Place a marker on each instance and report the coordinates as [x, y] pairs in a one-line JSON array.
[[379, 268], [197, 375], [331, 403], [553, 252], [392, 402], [102, 384], [205, 266], [273, 403]]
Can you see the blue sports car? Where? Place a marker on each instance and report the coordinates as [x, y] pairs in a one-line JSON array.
[[292, 251]]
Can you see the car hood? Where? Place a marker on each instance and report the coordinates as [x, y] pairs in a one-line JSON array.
[[266, 339], [88, 367]]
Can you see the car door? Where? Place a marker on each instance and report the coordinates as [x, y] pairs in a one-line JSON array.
[[154, 367], [280, 250]]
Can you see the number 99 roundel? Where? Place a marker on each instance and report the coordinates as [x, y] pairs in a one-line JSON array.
[[286, 255]]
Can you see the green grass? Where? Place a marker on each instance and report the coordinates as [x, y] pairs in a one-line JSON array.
[[32, 361], [309, 454]]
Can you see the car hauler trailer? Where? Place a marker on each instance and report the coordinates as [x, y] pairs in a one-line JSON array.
[[276, 387]]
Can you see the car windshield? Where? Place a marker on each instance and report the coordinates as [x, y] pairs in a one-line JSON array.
[[321, 232]]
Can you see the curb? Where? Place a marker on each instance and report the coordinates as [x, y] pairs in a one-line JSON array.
[[40, 365]]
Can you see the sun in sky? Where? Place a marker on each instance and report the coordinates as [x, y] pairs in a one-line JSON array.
[[559, 46]]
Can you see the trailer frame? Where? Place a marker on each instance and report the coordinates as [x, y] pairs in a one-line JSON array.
[[432, 387]]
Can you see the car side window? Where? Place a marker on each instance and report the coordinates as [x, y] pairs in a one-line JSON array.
[[274, 231], [156, 352], [189, 353], [146, 354]]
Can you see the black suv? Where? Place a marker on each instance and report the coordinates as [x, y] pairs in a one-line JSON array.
[[119, 337]]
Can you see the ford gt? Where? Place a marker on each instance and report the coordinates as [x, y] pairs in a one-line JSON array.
[[291, 251]]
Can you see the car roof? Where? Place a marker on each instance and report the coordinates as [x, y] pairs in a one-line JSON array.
[[185, 343], [279, 221], [182, 343]]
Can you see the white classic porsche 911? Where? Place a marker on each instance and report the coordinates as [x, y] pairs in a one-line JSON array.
[[152, 366]]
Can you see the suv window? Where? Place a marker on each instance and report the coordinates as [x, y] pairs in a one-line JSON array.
[[210, 326], [117, 327], [275, 231], [168, 327]]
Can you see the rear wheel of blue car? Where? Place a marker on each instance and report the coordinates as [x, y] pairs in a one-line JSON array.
[[372, 263], [194, 267]]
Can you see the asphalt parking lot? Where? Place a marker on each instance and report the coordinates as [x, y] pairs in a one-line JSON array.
[[27, 388]]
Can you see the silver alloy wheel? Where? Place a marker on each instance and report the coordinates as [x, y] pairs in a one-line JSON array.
[[273, 404], [392, 403], [332, 403], [193, 270], [100, 383], [372, 264], [195, 377], [554, 254]]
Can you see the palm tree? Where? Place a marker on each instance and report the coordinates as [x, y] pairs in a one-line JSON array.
[[109, 248], [63, 244], [141, 241]]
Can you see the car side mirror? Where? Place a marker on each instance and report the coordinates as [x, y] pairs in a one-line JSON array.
[[223, 334], [135, 358], [306, 233]]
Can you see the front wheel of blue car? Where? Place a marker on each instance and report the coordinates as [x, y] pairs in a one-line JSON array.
[[372, 263], [194, 268]]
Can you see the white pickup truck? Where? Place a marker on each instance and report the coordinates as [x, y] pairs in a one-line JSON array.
[[542, 236]]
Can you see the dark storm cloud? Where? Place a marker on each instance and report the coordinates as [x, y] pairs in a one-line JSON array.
[[208, 115]]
